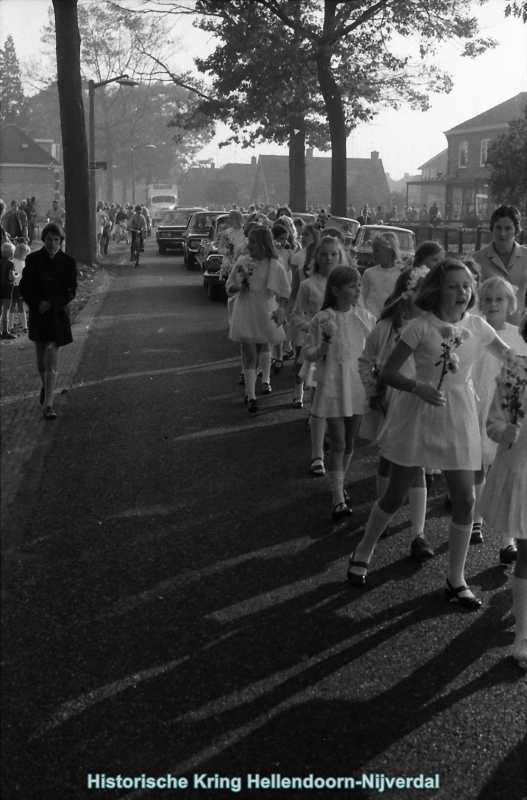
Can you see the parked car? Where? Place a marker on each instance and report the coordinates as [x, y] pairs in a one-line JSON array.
[[307, 218], [364, 238], [349, 228], [169, 232], [199, 227], [211, 261]]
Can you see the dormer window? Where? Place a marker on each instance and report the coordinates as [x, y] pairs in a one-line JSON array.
[[463, 154]]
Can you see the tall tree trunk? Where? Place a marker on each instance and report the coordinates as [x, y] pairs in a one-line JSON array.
[[108, 136], [297, 163], [73, 129], [337, 132]]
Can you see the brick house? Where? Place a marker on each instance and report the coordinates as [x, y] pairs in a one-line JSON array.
[[367, 182], [467, 180], [28, 167], [194, 183], [430, 186]]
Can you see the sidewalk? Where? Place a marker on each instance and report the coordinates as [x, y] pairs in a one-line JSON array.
[[22, 428]]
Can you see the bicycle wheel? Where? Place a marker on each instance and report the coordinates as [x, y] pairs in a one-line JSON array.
[[137, 251]]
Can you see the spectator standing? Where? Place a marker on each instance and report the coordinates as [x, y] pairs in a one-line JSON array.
[[31, 211], [364, 218], [433, 212], [7, 278], [56, 214], [15, 221]]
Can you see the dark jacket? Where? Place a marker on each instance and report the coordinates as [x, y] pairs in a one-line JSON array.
[[54, 280]]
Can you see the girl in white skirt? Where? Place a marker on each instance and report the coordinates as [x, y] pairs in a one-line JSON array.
[[504, 498], [433, 421], [497, 300], [261, 288], [335, 341]]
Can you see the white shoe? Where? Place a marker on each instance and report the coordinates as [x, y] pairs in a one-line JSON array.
[[519, 652]]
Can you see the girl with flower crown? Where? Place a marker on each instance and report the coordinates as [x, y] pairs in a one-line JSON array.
[[260, 286], [335, 341], [503, 502], [497, 301], [398, 310], [432, 421]]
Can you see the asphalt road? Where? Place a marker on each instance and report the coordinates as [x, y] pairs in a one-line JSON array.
[[180, 607]]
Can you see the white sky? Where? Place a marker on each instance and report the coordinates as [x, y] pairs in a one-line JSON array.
[[405, 139]]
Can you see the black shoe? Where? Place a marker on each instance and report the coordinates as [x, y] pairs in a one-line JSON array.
[[462, 595], [508, 554], [353, 578], [7, 335], [429, 479], [241, 380], [48, 413], [476, 537], [252, 406], [420, 549], [340, 511], [266, 388]]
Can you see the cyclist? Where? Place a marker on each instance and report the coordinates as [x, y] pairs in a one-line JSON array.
[[137, 225], [120, 221]]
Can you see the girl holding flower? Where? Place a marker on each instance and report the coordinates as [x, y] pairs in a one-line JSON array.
[[335, 340], [398, 310], [260, 286], [503, 502], [433, 421], [497, 301]]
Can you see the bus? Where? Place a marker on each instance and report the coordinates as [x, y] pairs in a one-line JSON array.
[[161, 197]]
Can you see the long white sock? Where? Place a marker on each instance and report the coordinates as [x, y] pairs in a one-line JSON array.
[[417, 503], [519, 604], [265, 365], [336, 482], [507, 541], [376, 524], [250, 383], [478, 489], [458, 542], [382, 485], [299, 391], [318, 427]]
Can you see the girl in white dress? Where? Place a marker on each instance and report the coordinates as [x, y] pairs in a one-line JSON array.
[[433, 420], [398, 310], [285, 252], [327, 255], [503, 503], [497, 300], [335, 341], [378, 282], [261, 288]]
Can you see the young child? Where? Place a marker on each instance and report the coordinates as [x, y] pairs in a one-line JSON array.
[[497, 299], [281, 236], [432, 421], [261, 288], [398, 310], [335, 341], [429, 254], [378, 281], [327, 255], [7, 277], [17, 304], [503, 503]]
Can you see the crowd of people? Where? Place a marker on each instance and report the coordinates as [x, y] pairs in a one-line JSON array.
[[405, 357]]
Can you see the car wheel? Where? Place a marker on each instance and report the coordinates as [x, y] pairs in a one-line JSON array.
[[214, 292]]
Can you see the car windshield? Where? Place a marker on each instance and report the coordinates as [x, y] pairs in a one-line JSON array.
[[343, 224], [405, 238], [164, 198], [223, 224], [175, 218], [201, 222]]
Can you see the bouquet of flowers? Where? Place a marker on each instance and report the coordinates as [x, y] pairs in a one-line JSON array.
[[328, 328], [513, 380], [453, 338], [416, 275], [245, 271]]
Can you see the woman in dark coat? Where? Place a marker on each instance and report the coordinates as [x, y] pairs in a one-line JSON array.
[[48, 285]]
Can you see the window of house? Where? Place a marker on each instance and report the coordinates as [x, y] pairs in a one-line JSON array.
[[463, 154], [483, 151]]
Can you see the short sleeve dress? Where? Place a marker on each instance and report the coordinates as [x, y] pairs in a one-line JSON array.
[[339, 388], [251, 320], [503, 500], [417, 434], [486, 369]]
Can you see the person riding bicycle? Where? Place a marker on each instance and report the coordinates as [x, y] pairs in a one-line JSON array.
[[137, 225], [121, 221]]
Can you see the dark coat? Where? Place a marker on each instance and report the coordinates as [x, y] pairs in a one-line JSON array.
[[54, 280]]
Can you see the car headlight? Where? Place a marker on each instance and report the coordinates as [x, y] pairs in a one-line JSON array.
[[214, 264]]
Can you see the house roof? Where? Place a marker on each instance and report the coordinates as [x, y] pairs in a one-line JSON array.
[[440, 160], [242, 174], [16, 147], [494, 117]]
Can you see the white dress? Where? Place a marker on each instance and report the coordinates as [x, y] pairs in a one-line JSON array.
[[339, 388], [379, 344], [486, 369], [308, 301], [251, 320], [417, 434], [377, 285], [504, 496]]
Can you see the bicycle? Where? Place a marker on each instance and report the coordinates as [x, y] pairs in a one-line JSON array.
[[136, 246]]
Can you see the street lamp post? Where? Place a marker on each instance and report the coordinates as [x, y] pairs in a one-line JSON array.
[[133, 149], [123, 80]]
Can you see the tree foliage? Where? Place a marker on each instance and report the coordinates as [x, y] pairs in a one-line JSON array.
[[507, 161], [12, 99]]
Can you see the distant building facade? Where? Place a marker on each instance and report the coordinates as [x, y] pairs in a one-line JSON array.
[[29, 167], [429, 188]]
